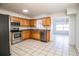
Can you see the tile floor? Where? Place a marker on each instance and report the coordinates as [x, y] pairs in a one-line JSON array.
[[59, 46]]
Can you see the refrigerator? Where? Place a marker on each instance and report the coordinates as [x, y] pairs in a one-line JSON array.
[[4, 35]]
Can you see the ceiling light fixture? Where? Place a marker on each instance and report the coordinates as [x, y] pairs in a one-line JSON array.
[[25, 10]]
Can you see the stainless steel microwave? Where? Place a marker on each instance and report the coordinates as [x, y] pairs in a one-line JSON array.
[[15, 24]]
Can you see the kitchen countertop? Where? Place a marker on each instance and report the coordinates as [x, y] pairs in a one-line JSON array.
[[32, 28]]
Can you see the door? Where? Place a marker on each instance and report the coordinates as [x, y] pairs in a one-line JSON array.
[[4, 35], [61, 31]]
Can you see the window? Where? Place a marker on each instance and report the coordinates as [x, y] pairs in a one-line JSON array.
[[39, 24], [59, 27], [62, 27], [66, 27]]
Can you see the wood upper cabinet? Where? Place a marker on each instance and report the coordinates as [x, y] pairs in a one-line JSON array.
[[24, 22], [15, 19], [25, 34], [46, 21], [35, 35], [33, 22]]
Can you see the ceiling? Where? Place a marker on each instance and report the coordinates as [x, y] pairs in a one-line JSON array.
[[36, 9]]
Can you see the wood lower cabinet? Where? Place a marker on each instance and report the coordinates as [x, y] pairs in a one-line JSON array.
[[48, 36], [40, 35], [35, 35], [25, 34]]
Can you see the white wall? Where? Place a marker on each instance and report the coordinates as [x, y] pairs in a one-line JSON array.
[[72, 19], [77, 30], [2, 11], [71, 13]]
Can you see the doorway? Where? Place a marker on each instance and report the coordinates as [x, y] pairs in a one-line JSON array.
[[61, 32]]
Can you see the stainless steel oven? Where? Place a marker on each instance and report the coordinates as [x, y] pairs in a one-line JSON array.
[[16, 37], [16, 34]]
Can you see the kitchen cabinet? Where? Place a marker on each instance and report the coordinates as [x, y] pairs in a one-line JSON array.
[[48, 36], [15, 19], [25, 22], [41, 35], [25, 34], [32, 22], [46, 21], [28, 23], [35, 35]]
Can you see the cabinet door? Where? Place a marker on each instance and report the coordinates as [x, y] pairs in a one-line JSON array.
[[24, 22], [32, 22], [36, 35], [46, 21], [27, 23], [48, 36], [15, 19], [25, 35]]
